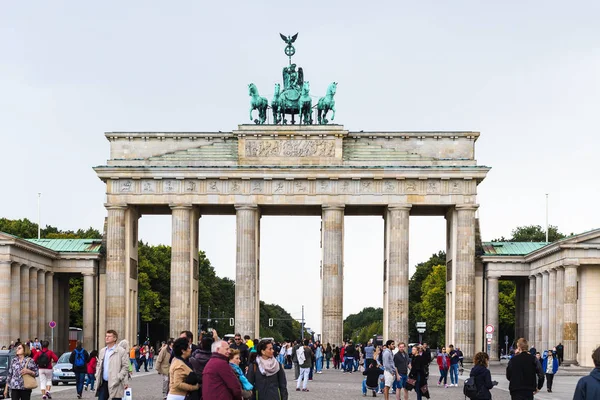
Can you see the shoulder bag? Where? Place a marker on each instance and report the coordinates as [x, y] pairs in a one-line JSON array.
[[29, 381]]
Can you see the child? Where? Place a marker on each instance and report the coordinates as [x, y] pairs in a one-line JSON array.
[[234, 361]]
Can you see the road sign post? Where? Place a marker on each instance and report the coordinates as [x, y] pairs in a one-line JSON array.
[[52, 325]]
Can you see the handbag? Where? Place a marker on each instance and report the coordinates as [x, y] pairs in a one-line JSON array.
[[29, 381], [410, 384]]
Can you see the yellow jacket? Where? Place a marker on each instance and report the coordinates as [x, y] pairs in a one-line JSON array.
[[177, 374]]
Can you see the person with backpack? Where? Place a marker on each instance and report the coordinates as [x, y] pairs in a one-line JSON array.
[[79, 358], [44, 359], [478, 386], [305, 356]]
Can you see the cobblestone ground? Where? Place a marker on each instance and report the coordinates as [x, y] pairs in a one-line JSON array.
[[334, 385]]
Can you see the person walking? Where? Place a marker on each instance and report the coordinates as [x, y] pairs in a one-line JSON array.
[[521, 371], [112, 372], [588, 387], [401, 361], [44, 359], [267, 375], [336, 357], [79, 358], [182, 380], [22, 365], [560, 350], [549, 366], [218, 379], [305, 356], [91, 371], [443, 362], [454, 360], [389, 369], [151, 357], [328, 354], [418, 367], [295, 359], [162, 365], [482, 376], [319, 358]]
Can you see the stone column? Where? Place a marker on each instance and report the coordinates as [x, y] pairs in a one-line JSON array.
[[395, 304], [24, 305], [116, 265], [464, 326], [49, 304], [532, 322], [33, 303], [525, 310], [5, 303], [538, 310], [15, 299], [560, 303], [56, 312], [552, 309], [492, 314], [518, 305], [181, 270], [246, 269], [89, 310], [545, 319], [570, 315], [41, 295], [332, 273], [66, 310]]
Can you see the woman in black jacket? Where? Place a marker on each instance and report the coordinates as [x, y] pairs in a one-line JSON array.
[[267, 375], [482, 376], [418, 366]]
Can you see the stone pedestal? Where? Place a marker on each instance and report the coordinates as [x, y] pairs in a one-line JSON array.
[[545, 319], [89, 310], [246, 283], [5, 305], [41, 297], [332, 274], [492, 314], [464, 326], [395, 296], [532, 321], [24, 303], [552, 309], [560, 303], [538, 311], [570, 315], [116, 268]]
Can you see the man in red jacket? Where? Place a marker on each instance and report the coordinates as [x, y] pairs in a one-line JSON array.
[[44, 359], [218, 379]]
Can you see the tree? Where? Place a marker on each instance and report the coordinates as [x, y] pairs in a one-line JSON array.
[[433, 304], [533, 233], [506, 308], [24, 228], [355, 323]]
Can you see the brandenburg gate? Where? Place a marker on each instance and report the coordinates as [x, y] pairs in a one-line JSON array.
[[292, 170]]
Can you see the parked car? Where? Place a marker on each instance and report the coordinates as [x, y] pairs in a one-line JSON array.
[[5, 360], [63, 370]]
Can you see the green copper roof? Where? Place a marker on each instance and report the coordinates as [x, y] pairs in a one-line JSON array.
[[70, 245], [511, 248]]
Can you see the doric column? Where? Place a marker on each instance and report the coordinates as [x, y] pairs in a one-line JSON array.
[[181, 270], [89, 310], [24, 305], [246, 270], [525, 308], [15, 299], [464, 295], [56, 312], [538, 311], [49, 312], [492, 314], [560, 303], [33, 303], [395, 301], [41, 297], [5, 303], [552, 309], [116, 265], [332, 273], [570, 315], [66, 310], [545, 319], [518, 311], [532, 321]]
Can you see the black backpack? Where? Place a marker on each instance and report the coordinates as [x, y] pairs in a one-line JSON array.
[[470, 388], [43, 360]]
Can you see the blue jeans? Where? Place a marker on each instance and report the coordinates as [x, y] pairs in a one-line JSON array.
[[454, 373], [418, 388], [151, 362], [91, 379], [319, 364], [348, 363], [443, 375], [133, 362], [365, 388], [356, 360], [79, 379], [327, 359]]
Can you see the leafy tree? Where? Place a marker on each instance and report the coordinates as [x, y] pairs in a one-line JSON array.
[[24, 228], [284, 326], [506, 308], [433, 305], [355, 323], [533, 233]]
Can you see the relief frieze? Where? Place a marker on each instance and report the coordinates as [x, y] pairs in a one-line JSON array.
[[290, 148]]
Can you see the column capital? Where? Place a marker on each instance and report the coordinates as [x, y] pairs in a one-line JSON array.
[[546, 272], [489, 277], [180, 206], [252, 207], [88, 273], [570, 263], [532, 277], [50, 273], [9, 262], [334, 207], [466, 207], [399, 207], [120, 206]]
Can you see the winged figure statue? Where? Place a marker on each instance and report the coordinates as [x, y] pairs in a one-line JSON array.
[[289, 39]]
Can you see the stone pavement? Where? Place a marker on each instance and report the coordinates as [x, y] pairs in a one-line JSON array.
[[334, 385]]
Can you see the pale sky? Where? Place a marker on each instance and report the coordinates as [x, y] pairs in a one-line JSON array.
[[523, 73]]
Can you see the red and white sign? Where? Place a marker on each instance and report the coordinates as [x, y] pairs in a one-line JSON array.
[[489, 329]]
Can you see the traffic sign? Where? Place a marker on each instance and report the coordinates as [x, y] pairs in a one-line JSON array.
[[488, 335], [489, 328], [52, 324], [421, 324], [489, 341], [421, 330]]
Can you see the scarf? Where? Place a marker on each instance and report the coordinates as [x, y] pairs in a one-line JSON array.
[[267, 367]]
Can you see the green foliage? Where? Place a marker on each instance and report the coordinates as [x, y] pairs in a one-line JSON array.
[[76, 301], [283, 323], [533, 233], [506, 307], [354, 324], [26, 229], [433, 304]]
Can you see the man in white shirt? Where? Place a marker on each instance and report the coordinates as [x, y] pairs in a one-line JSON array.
[[112, 369]]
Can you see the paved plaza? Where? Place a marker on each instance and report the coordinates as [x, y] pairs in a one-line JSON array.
[[334, 385]]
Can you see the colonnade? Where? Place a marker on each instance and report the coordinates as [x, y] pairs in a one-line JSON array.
[[546, 310], [31, 297]]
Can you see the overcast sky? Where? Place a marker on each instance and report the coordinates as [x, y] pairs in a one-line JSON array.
[[523, 73]]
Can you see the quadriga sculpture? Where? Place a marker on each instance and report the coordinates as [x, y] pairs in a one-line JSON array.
[[257, 103], [325, 104]]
